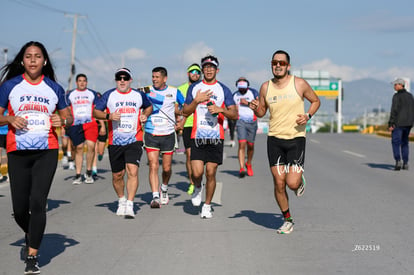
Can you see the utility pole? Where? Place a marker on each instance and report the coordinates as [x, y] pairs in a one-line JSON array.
[[72, 60], [339, 129]]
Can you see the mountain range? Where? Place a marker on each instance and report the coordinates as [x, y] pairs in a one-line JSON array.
[[364, 95]]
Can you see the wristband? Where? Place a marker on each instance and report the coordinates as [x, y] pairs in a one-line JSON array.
[[107, 116]]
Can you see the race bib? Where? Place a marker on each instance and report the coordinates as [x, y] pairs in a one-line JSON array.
[[158, 121], [127, 125], [82, 111], [37, 121], [207, 123]]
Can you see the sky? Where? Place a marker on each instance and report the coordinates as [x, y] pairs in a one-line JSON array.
[[350, 39]]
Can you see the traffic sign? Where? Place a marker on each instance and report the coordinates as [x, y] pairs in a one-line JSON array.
[[330, 90]]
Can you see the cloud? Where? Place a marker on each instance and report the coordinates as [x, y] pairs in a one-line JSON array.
[[134, 54], [195, 52], [348, 73]]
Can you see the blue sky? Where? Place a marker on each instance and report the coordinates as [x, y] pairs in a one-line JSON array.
[[349, 39]]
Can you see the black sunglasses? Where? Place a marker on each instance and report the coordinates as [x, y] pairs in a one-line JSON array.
[[123, 77]]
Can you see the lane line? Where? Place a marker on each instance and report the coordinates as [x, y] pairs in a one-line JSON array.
[[354, 154]]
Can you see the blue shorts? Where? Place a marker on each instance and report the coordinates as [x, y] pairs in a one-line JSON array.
[[246, 131], [79, 133]]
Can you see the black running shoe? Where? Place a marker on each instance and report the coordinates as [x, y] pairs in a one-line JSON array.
[[32, 266]]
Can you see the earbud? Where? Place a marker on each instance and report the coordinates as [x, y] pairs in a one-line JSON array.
[[21, 62], [44, 63]]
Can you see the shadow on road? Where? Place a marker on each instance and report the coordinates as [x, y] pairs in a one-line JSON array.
[[231, 172], [53, 204], [267, 220], [385, 166], [52, 245]]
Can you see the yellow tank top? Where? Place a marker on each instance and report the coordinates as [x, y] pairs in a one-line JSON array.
[[284, 106]]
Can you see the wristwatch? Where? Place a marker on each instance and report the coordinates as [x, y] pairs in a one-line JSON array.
[[309, 115], [107, 116]]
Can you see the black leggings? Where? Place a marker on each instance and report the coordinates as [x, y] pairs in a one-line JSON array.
[[31, 174], [232, 127]]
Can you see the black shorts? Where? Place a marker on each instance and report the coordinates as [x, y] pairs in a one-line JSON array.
[[164, 144], [286, 151], [102, 138], [120, 155], [187, 140], [3, 141], [207, 151]]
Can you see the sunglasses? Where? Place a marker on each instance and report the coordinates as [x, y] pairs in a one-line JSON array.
[[123, 77], [281, 63], [195, 72]]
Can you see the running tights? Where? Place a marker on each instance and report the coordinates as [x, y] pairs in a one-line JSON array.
[[31, 174]]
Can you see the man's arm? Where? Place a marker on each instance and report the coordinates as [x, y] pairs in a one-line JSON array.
[[259, 106], [188, 109], [306, 90], [98, 114]]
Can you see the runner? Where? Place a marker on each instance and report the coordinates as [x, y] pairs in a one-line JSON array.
[[246, 124], [284, 96], [121, 106], [30, 93], [85, 128], [160, 128], [193, 74], [210, 101]]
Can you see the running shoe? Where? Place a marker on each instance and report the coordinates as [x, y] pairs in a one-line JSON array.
[[405, 166], [196, 197], [190, 190], [121, 206], [78, 180], [100, 157], [301, 189], [206, 212], [71, 165], [242, 173], [129, 210], [65, 161], [286, 228], [88, 179], [32, 267], [397, 165], [249, 170], [155, 203], [164, 197]]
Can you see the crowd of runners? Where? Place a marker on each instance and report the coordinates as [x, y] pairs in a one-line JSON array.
[[131, 120]]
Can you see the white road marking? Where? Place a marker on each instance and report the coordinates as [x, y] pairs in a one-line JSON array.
[[354, 154]]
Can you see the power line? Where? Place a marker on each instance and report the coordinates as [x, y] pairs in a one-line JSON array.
[[99, 41]]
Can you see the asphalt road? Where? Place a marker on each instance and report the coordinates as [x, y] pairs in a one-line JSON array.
[[354, 218]]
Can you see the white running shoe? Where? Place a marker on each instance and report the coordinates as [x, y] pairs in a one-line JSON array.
[[121, 206], [88, 179], [164, 197], [206, 212], [301, 189], [286, 228], [71, 165], [155, 203], [65, 161], [129, 210], [77, 181], [196, 196]]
